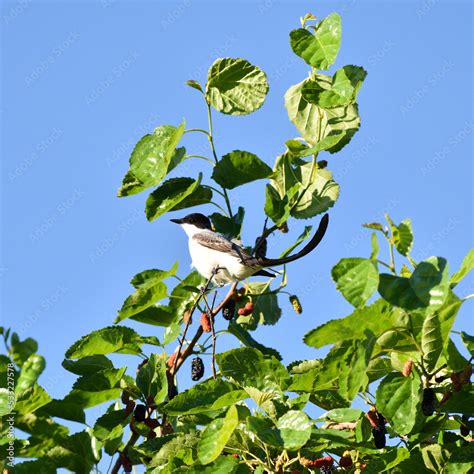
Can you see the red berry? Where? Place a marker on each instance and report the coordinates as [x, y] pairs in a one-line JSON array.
[[249, 307], [205, 322], [406, 371], [152, 423], [345, 461], [241, 312]]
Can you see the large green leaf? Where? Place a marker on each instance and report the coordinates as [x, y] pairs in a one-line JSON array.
[[150, 277], [152, 380], [63, 409], [427, 287], [29, 400], [376, 318], [277, 208], [215, 436], [398, 398], [111, 424], [245, 338], [22, 350], [386, 461], [239, 167], [87, 365], [356, 278], [249, 367], [345, 85], [319, 192], [152, 155], [155, 315], [402, 236], [353, 373], [466, 266], [227, 226], [141, 299], [175, 194], [318, 49], [329, 129], [107, 340], [294, 428], [206, 396], [431, 341], [236, 87], [92, 390]]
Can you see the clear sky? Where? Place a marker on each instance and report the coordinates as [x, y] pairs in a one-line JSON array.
[[83, 81]]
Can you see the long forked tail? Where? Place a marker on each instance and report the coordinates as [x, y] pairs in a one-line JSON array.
[[312, 244]]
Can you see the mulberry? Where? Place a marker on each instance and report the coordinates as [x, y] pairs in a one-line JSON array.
[[464, 426], [346, 460], [140, 413], [228, 310], [197, 369], [379, 437], [205, 322], [428, 403], [261, 248], [171, 360], [295, 302]]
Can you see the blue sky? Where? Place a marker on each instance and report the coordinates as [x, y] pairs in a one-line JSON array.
[[83, 81]]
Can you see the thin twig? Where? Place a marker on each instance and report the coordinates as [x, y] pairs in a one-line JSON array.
[[213, 356]]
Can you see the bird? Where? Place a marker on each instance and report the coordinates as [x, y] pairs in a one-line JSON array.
[[224, 261]]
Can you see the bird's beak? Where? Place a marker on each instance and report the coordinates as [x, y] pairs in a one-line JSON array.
[[177, 221]]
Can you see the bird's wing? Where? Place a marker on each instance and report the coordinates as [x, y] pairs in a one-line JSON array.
[[221, 244]]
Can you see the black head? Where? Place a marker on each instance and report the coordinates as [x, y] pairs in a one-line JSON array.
[[196, 219]]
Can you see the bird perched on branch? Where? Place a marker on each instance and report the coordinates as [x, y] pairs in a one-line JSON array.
[[212, 253]]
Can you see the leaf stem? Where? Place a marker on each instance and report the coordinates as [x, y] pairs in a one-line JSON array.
[[200, 157], [197, 130], [384, 264], [468, 297]]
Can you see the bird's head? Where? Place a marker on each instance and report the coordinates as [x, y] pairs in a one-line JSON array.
[[193, 223]]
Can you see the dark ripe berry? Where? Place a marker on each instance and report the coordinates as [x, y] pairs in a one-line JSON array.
[[261, 247], [228, 310], [205, 322], [151, 435], [406, 371], [464, 425], [197, 369], [152, 423], [172, 391], [345, 461], [150, 401], [446, 397], [129, 406], [326, 469], [322, 164], [326, 461], [379, 437], [140, 413], [295, 302], [373, 417], [428, 403]]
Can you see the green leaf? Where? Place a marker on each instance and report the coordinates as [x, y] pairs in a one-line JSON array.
[[388, 460], [181, 447], [247, 366], [152, 380], [92, 390], [171, 333], [376, 318], [466, 266], [320, 192], [435, 458], [29, 400], [31, 369], [118, 339], [63, 409], [306, 234], [239, 167], [236, 87], [21, 351], [353, 374], [398, 398], [110, 425], [181, 298], [294, 428], [345, 85], [356, 278], [171, 196], [431, 341], [328, 129], [153, 153], [215, 436], [150, 277], [227, 226], [156, 315], [245, 338], [320, 49], [427, 287], [87, 365], [203, 397], [276, 207], [194, 84], [340, 415], [141, 299], [460, 402], [375, 246], [468, 342], [402, 236]]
